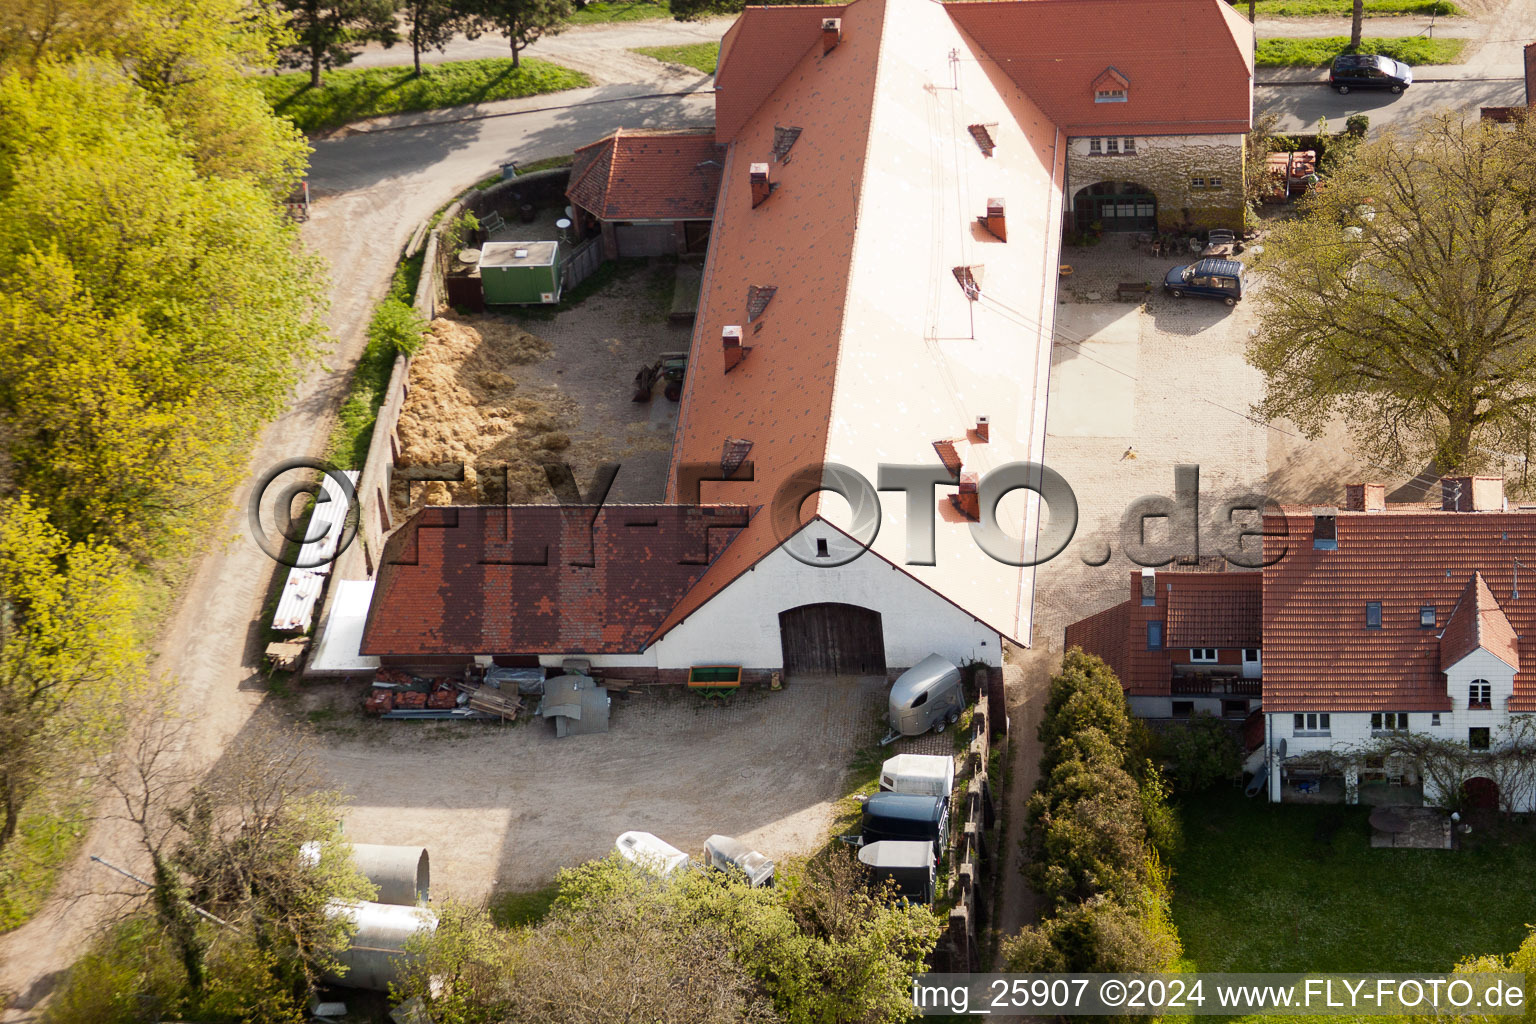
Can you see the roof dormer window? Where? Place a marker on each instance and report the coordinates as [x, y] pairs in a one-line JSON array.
[[1111, 87]]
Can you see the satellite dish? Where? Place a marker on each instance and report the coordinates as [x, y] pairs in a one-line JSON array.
[[1280, 751]]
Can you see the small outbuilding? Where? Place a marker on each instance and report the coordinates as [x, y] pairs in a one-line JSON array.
[[647, 192], [520, 273]]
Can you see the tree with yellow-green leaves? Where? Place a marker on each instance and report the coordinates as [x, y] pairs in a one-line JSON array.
[[67, 647], [156, 313]]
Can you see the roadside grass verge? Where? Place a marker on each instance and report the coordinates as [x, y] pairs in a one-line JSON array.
[[1378, 8], [620, 10], [519, 909], [1319, 52], [699, 56], [348, 446], [353, 95], [1268, 888], [49, 834]]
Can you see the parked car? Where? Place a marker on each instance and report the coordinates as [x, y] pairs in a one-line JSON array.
[[926, 696], [1208, 278], [905, 816], [1368, 71]]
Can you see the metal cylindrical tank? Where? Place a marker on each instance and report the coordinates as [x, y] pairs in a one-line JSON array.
[[376, 957], [402, 873]]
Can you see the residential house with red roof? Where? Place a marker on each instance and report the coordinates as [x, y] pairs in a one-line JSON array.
[[879, 292], [1185, 641], [1382, 619]]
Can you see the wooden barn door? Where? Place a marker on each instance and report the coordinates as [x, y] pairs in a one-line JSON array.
[[836, 639]]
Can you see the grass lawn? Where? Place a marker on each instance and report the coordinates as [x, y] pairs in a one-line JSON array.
[[1315, 8], [352, 95], [620, 10], [1319, 52], [46, 839], [1298, 888], [703, 56], [348, 446], [516, 909]]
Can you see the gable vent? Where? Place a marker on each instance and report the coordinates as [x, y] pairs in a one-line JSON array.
[[735, 453], [982, 133], [784, 138], [949, 456], [758, 297], [970, 281]]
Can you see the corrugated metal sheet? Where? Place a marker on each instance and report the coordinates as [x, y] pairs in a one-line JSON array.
[[326, 526], [301, 591], [296, 607]]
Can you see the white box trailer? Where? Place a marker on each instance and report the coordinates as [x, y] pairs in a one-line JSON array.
[[919, 774]]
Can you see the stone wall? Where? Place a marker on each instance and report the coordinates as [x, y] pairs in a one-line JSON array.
[[1168, 166]]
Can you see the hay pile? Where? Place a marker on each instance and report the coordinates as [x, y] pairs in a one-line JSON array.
[[464, 408]]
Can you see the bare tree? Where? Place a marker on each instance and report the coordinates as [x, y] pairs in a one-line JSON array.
[[1356, 25]]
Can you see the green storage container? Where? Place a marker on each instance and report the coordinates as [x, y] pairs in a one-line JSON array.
[[520, 273]]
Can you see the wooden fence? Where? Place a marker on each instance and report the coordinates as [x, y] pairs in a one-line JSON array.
[[580, 262], [975, 860]]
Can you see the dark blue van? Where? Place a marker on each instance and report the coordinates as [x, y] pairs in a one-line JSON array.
[[1368, 71], [1209, 278]]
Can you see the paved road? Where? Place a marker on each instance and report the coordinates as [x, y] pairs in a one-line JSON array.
[[602, 51], [1301, 104]]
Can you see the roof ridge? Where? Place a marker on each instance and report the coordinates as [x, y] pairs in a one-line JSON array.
[[858, 215]]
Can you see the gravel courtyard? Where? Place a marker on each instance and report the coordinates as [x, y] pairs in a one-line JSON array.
[[505, 807]]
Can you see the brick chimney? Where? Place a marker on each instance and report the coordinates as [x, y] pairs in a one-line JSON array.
[[831, 34], [995, 221], [968, 501], [983, 428], [730, 343], [1472, 494], [1365, 497], [760, 186]]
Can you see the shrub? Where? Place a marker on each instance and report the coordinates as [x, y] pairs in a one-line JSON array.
[[1200, 753], [396, 327]]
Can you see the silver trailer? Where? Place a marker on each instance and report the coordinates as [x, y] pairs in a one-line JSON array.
[[911, 865], [725, 853], [926, 696]]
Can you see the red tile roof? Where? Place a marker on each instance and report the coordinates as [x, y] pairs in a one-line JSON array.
[[1215, 609], [648, 175], [1318, 653], [1478, 623], [1188, 62], [1197, 609], [469, 579], [747, 74]]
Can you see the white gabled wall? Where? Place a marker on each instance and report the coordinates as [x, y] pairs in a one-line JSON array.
[[740, 625], [1480, 665]]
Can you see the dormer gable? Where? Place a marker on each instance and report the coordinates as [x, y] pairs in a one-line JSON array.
[[1111, 86], [1478, 623]]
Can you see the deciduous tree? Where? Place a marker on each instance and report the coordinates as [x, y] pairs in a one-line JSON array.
[[67, 647], [432, 24], [1404, 298], [523, 22], [328, 33]]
